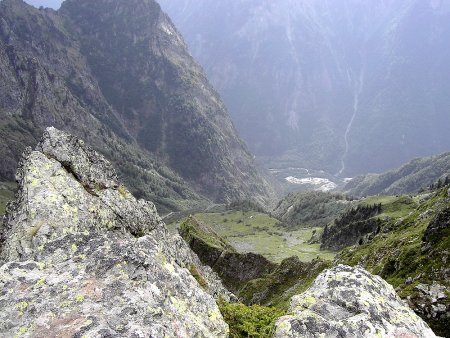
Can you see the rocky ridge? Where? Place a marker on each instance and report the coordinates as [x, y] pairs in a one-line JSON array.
[[82, 256]]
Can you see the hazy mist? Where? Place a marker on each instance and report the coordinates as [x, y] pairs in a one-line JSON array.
[[45, 3]]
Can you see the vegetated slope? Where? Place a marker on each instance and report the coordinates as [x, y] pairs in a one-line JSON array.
[[366, 218], [119, 75], [409, 178], [311, 208], [346, 86], [412, 253], [162, 95], [251, 276], [367, 302], [256, 232]]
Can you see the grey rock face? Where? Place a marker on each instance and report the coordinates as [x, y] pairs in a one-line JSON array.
[[82, 256], [350, 302], [431, 301]]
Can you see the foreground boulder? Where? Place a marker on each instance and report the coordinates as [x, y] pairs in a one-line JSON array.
[[350, 302], [80, 256]]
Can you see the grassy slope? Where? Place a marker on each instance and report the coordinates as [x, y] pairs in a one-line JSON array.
[[251, 231], [393, 206], [310, 208], [257, 232], [403, 244], [396, 255]]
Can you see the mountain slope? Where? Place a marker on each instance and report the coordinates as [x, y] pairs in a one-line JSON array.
[[412, 253], [130, 90], [410, 177], [345, 86]]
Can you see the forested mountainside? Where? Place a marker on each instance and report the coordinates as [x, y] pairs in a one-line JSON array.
[[118, 74], [417, 174], [350, 86]]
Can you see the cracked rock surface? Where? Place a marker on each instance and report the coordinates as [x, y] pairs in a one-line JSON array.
[[350, 302], [80, 256]]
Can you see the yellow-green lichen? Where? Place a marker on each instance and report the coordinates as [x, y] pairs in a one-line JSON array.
[[40, 282], [22, 330], [214, 315], [123, 191], [79, 298], [306, 301], [22, 306]]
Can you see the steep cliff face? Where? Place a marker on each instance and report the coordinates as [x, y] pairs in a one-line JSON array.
[[118, 74], [348, 86], [46, 81], [81, 256]]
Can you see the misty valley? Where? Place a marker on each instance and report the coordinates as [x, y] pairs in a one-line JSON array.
[[232, 168]]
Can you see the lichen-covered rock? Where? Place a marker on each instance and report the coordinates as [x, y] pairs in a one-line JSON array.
[[104, 285], [350, 302], [81, 256]]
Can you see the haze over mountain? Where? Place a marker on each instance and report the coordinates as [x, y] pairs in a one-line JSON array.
[[55, 4], [350, 86], [118, 74]]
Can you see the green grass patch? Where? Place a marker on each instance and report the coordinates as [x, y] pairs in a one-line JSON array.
[[393, 206], [257, 232], [250, 321], [198, 277]]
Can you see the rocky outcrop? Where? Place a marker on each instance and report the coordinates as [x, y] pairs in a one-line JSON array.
[[81, 256], [350, 302], [431, 302], [439, 227]]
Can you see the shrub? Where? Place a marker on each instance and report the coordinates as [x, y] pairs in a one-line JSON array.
[[250, 321]]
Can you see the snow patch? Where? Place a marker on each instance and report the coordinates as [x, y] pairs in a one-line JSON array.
[[321, 184]]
